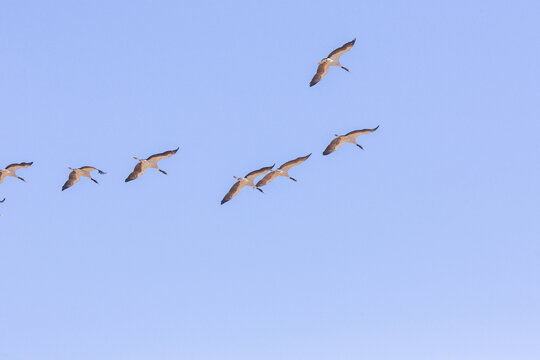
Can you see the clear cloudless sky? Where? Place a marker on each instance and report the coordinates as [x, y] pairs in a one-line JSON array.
[[424, 246]]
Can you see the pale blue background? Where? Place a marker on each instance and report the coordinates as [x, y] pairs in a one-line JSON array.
[[425, 246]]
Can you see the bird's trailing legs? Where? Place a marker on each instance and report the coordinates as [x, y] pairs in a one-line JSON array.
[[163, 172], [94, 180], [293, 179], [344, 68], [360, 146], [259, 189], [20, 178]]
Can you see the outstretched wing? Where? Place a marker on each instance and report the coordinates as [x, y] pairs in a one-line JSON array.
[[235, 189], [91, 168], [73, 178], [138, 171], [356, 133], [321, 71], [254, 174], [267, 178], [337, 142], [15, 167], [297, 161], [163, 155], [337, 53]]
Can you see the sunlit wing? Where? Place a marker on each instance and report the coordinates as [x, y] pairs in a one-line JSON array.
[[15, 167], [356, 133], [73, 178], [336, 143], [267, 178], [339, 51], [138, 171], [297, 161], [254, 174], [91, 168], [235, 189], [163, 155], [322, 70]]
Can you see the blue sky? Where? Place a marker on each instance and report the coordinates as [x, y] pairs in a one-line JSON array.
[[425, 246]]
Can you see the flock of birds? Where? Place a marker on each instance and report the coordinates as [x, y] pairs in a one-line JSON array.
[[249, 180]]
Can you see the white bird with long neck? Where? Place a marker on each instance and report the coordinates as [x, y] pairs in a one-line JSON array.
[[150, 162], [247, 180], [76, 174], [283, 170], [331, 60], [350, 137]]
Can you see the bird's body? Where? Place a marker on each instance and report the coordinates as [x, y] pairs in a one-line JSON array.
[[10, 170], [75, 175], [247, 180], [283, 170], [331, 60], [349, 137], [150, 162]]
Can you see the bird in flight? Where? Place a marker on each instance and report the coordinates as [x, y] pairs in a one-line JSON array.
[[76, 174], [245, 181], [283, 170], [331, 60], [349, 137], [10, 170], [150, 162]]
